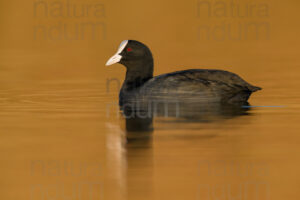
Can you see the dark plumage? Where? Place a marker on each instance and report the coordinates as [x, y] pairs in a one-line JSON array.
[[195, 85]]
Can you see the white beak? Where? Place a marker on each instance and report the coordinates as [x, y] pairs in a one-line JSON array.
[[117, 57]]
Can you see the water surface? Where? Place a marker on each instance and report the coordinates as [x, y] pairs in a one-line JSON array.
[[62, 135]]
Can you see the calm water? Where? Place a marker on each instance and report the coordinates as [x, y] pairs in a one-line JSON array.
[[60, 140], [62, 136]]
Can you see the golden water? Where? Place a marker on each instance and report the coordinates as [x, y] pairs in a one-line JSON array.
[[59, 140]]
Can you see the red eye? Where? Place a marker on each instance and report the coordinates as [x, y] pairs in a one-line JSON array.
[[129, 49]]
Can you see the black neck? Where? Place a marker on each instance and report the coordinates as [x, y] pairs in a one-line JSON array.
[[137, 74]]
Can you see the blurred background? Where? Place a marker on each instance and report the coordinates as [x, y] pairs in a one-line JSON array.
[[61, 133]]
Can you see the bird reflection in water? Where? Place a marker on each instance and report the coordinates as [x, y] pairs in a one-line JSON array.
[[132, 148], [139, 115]]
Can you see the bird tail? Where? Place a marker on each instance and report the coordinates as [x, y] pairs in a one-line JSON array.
[[254, 88]]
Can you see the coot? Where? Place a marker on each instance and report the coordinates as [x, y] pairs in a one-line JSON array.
[[193, 85]]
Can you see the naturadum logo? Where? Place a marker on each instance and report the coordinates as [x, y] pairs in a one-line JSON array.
[[69, 20]]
